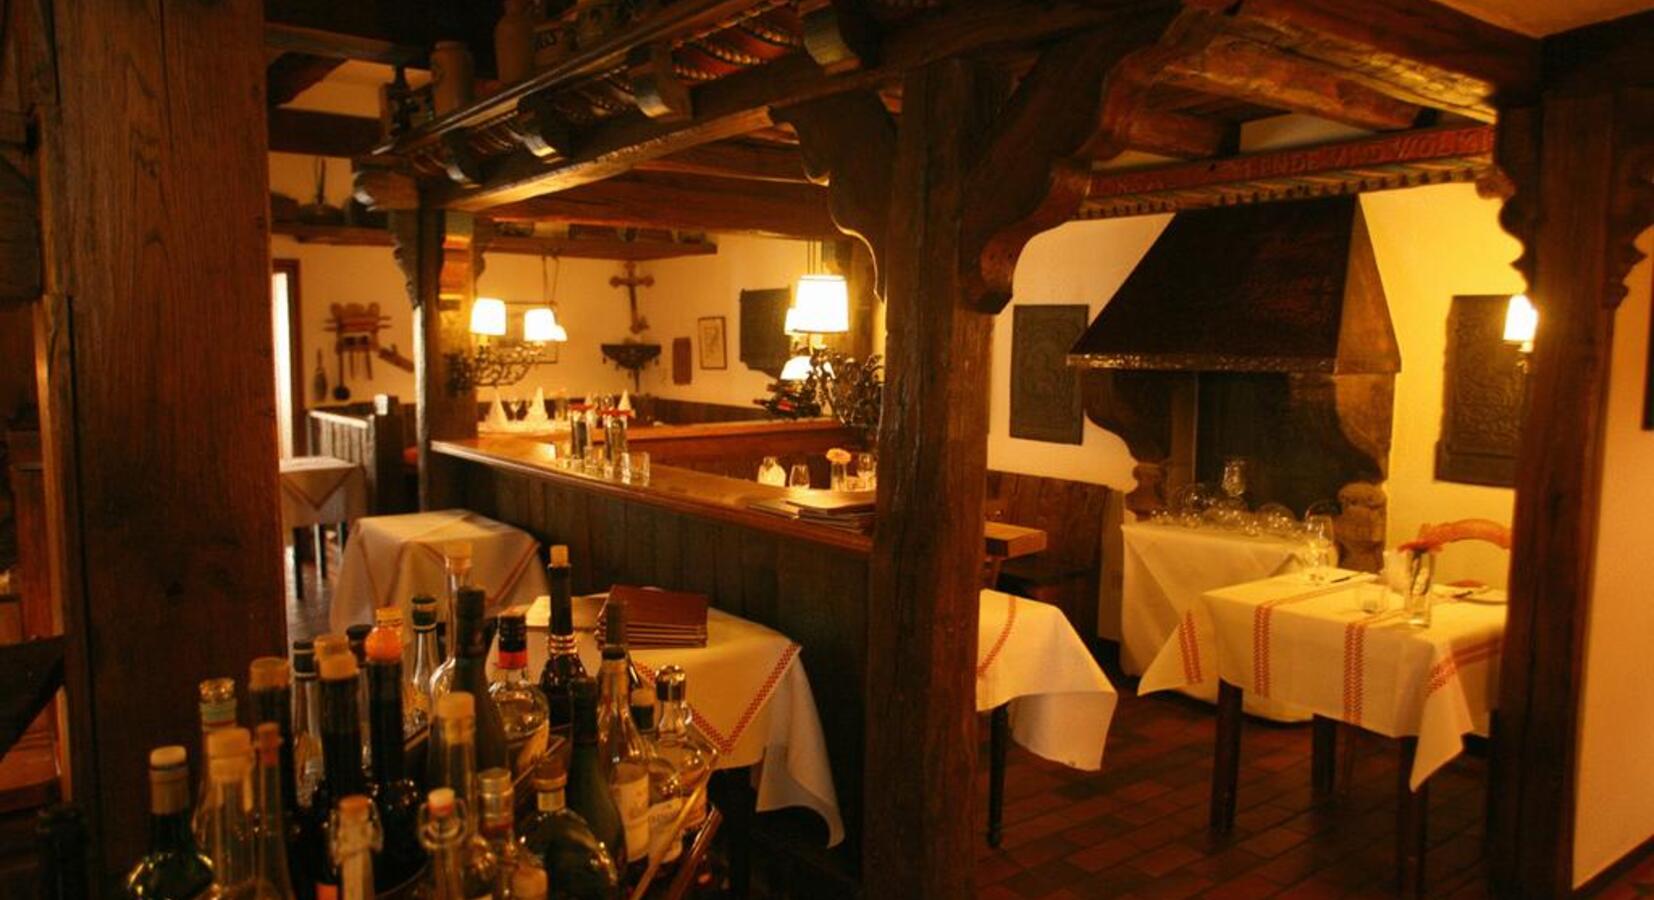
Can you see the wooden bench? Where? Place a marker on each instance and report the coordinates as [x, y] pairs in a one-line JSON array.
[[1068, 573]]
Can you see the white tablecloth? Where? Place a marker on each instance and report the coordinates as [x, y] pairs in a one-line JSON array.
[[321, 490], [751, 698], [1313, 647], [390, 559], [1028, 655]]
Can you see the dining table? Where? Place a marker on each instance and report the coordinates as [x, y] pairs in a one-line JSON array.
[[1308, 639], [318, 491]]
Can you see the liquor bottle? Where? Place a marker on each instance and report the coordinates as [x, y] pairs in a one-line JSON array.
[[270, 835], [224, 815], [307, 724], [442, 831], [563, 667], [454, 766], [456, 564], [356, 636], [496, 819], [417, 690], [529, 883], [342, 755], [60, 853], [331, 643], [677, 741], [588, 788], [522, 707], [469, 673], [395, 797], [353, 838], [218, 713], [173, 869], [625, 754], [573, 857], [269, 691]]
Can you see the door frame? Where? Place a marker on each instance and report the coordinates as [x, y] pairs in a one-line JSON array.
[[295, 344]]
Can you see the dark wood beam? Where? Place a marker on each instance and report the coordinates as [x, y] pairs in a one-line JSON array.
[[1419, 51], [659, 200], [528, 245], [291, 73], [1457, 153], [1243, 69], [291, 38], [1179, 134], [740, 103], [734, 159], [321, 134]]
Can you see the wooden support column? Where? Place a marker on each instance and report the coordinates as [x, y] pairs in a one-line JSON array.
[[927, 553], [157, 396]]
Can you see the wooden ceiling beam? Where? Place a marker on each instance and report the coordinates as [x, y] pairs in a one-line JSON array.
[[1244, 69], [1177, 134], [728, 159], [290, 74], [661, 200], [321, 134], [1415, 50], [740, 103], [290, 38]]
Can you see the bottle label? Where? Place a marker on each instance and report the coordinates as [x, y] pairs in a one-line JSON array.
[[388, 617], [513, 659], [327, 891], [632, 802], [662, 817]]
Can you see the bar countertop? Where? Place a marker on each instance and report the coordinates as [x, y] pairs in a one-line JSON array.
[[669, 487]]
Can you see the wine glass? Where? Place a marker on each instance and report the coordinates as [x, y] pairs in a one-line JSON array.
[[771, 472], [800, 476], [1234, 477], [1319, 539]]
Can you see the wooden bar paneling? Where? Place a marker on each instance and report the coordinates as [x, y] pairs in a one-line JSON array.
[[812, 592]]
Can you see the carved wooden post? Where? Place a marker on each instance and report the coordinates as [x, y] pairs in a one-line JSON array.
[[927, 554]]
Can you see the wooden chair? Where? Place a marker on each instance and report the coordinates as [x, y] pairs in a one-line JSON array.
[[1466, 530]]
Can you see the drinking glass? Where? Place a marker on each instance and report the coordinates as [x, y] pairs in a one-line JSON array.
[[1421, 568], [640, 466], [1323, 552], [841, 477], [1373, 595], [1234, 477], [867, 470], [771, 472], [800, 476]]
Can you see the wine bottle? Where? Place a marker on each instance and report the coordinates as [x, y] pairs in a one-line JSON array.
[[625, 754], [529, 883], [470, 674], [522, 707], [270, 835], [342, 762], [218, 713], [307, 723], [497, 819], [588, 788], [173, 869], [269, 689], [563, 667], [571, 854], [356, 636], [417, 689], [353, 838], [396, 798], [224, 815]]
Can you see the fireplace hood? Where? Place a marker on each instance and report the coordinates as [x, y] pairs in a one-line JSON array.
[[1272, 287]]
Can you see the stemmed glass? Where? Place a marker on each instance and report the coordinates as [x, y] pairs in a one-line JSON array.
[[800, 476], [1234, 477], [1322, 550]]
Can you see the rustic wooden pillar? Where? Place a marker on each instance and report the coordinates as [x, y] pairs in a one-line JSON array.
[[157, 391], [927, 553], [1581, 163]]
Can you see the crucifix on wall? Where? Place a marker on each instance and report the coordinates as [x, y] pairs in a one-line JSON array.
[[631, 281]]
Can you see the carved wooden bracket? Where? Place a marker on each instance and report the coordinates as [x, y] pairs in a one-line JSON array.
[[541, 128], [848, 142], [1631, 205], [384, 189], [462, 163], [841, 37], [660, 93]]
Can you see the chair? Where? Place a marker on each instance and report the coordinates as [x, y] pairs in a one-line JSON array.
[[1466, 530]]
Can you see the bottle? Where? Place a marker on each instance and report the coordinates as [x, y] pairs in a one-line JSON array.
[[514, 43], [688, 760], [496, 819], [522, 707], [454, 766], [529, 883], [356, 636], [307, 726], [224, 815], [572, 856], [270, 834], [218, 713], [416, 692], [342, 755], [469, 673], [664, 800], [396, 798], [563, 667], [588, 789], [269, 690], [60, 853], [625, 754], [173, 869], [353, 838], [442, 831]]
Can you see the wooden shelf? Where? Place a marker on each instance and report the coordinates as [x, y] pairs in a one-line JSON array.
[[574, 248]]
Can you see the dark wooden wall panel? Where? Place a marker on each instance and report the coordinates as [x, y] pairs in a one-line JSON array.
[[814, 594]]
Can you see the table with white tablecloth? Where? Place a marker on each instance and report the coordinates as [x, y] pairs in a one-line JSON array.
[[391, 559], [321, 490], [1030, 657]]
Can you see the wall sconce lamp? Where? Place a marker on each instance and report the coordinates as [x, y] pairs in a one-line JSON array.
[[493, 364], [1521, 323]]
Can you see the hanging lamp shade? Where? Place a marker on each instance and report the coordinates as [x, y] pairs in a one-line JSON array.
[[540, 324], [821, 305], [488, 317]]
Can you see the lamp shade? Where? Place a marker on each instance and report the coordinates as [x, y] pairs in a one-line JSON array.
[[821, 305], [796, 369], [1521, 320], [540, 324], [488, 316]]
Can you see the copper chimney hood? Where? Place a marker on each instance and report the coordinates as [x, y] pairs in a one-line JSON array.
[[1272, 287]]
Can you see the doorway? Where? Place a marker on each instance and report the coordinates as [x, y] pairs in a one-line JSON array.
[[288, 351]]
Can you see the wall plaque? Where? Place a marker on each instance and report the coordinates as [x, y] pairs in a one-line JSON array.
[[1045, 392], [683, 363], [1482, 395], [765, 345]]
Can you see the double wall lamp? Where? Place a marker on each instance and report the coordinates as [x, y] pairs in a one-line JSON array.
[[1521, 323], [491, 362]]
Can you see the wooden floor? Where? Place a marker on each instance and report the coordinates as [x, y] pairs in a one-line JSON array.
[[1137, 828]]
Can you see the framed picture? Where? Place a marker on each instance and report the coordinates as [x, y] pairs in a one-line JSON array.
[[714, 351], [1483, 391]]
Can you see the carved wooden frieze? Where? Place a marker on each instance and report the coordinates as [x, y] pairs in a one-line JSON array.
[[1482, 396], [1045, 392]]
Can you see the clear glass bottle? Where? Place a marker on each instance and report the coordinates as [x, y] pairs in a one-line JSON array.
[[307, 727], [396, 797], [676, 741], [563, 667], [225, 815], [571, 854], [497, 821], [523, 709], [625, 754], [357, 636], [469, 673], [353, 838], [529, 883], [218, 713], [174, 868], [454, 766], [442, 831], [416, 693], [270, 834], [588, 790], [270, 694]]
